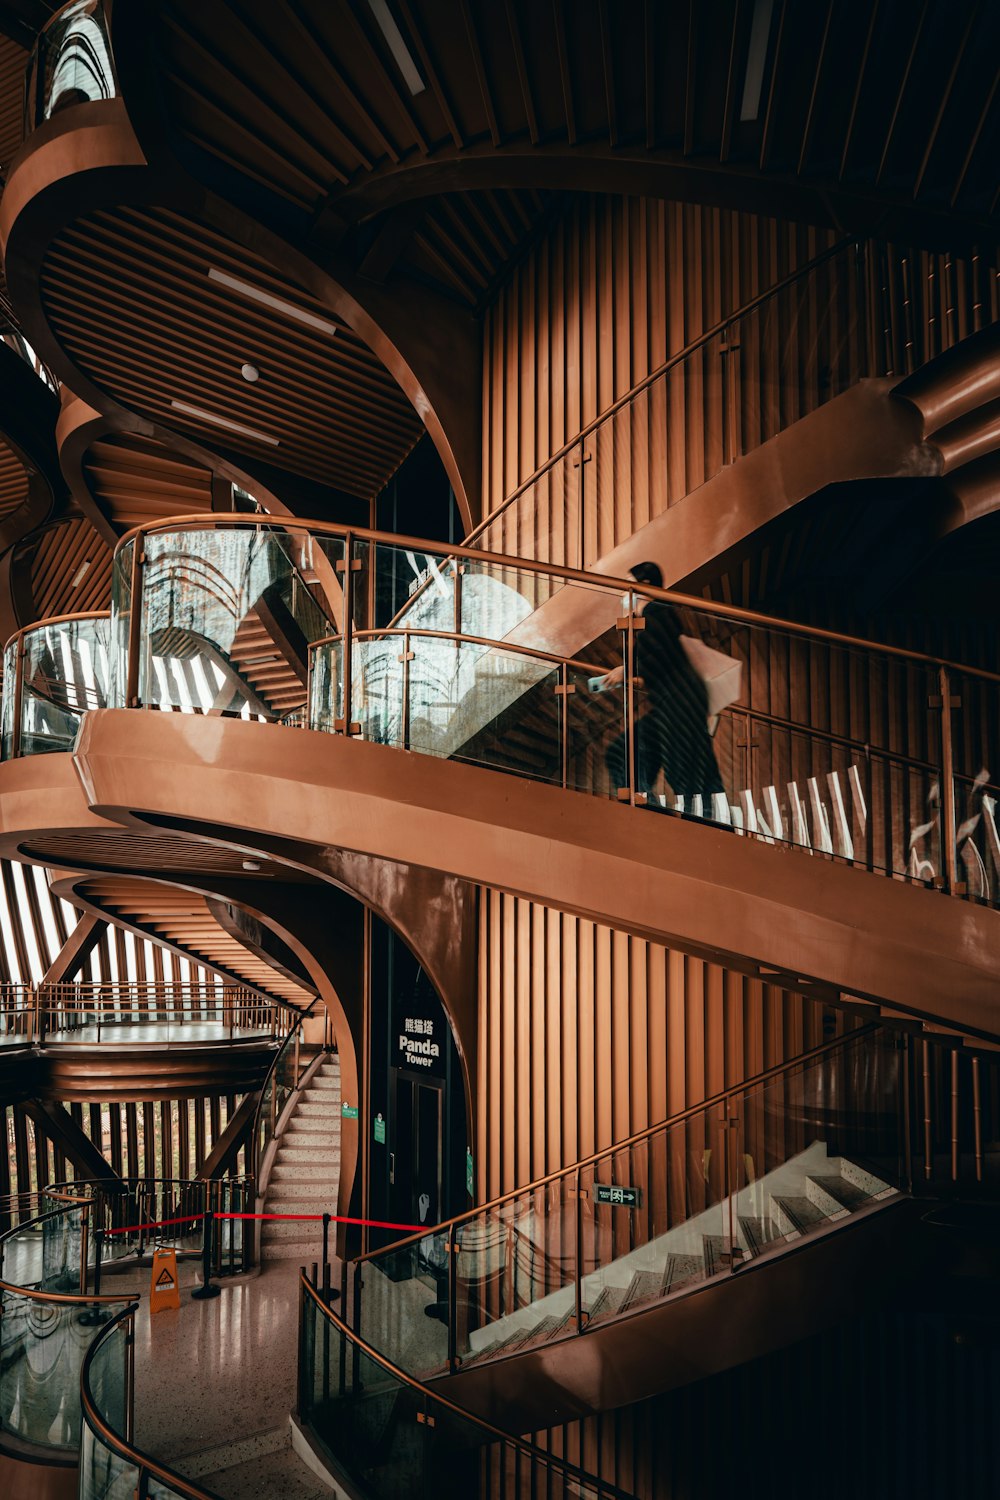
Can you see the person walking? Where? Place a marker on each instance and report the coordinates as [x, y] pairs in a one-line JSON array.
[[672, 735]]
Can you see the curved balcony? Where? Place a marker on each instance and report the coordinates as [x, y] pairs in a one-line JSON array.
[[541, 672], [54, 672]]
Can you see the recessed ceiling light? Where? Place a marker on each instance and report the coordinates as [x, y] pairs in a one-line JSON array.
[[209, 416], [80, 574], [280, 304], [753, 79], [250, 372], [252, 865], [394, 40]]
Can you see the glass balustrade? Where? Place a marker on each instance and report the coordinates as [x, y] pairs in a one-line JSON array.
[[47, 1323], [110, 1467], [304, 1040], [53, 673], [792, 736], [71, 63], [788, 1155], [394, 1439]]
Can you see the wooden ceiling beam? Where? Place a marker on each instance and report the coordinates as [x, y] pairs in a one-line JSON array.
[[479, 66], [431, 71], [522, 71], [901, 91], [607, 58], [852, 118], [945, 99], [814, 92], [565, 75]]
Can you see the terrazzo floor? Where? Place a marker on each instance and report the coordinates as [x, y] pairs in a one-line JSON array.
[[214, 1384]]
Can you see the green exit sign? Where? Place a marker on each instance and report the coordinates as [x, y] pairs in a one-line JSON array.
[[349, 1111], [618, 1197]]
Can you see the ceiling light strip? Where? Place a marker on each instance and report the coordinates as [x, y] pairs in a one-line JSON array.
[[401, 54], [207, 416], [268, 299]]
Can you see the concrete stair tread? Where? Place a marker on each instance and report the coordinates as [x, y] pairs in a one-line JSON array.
[[799, 1210], [681, 1270], [606, 1303], [846, 1193]]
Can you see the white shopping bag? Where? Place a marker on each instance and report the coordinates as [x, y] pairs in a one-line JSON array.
[[721, 674]]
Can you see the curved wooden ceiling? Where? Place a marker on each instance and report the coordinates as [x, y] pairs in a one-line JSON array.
[[851, 115], [135, 480], [162, 313]]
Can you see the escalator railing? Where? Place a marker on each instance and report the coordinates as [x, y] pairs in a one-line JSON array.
[[799, 1150], [857, 752], [393, 1438]]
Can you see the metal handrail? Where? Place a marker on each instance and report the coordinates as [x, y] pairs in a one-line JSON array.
[[668, 364], [605, 582], [494, 1434], [490, 642], [732, 1092], [115, 1441], [292, 1036]]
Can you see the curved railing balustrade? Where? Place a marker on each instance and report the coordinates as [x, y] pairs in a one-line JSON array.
[[53, 673], [86, 1013], [393, 1438], [71, 63], [111, 1467], [861, 753], [47, 1322]]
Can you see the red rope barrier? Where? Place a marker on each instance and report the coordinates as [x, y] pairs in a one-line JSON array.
[[157, 1224], [310, 1218]]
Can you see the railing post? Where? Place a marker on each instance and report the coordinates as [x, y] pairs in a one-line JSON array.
[[135, 622], [907, 1113], [949, 825], [405, 658], [578, 1216], [928, 1120], [628, 625], [954, 1114], [348, 566], [15, 738], [452, 1301], [977, 1120]]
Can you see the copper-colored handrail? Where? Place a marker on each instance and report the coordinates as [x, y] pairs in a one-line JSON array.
[[268, 1078], [663, 369], [732, 1092], [113, 1440], [69, 619], [496, 1434], [490, 642], [603, 582]]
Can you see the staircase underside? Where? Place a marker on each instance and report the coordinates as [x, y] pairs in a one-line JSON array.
[[826, 928]]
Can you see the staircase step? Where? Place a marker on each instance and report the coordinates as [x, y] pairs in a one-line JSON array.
[[860, 1177], [606, 1303], [323, 1083], [835, 1196], [680, 1271], [644, 1284], [318, 1109], [306, 1171], [793, 1215], [293, 1191], [757, 1233], [716, 1254], [313, 1133], [310, 1155], [292, 1229]]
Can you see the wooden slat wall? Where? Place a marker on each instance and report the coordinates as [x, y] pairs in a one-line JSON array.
[[620, 284], [588, 1035]]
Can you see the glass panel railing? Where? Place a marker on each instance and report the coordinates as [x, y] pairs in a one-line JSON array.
[[394, 1439], [47, 1322], [787, 734], [110, 1467], [88, 1014], [788, 1155], [227, 616], [54, 673], [71, 63]]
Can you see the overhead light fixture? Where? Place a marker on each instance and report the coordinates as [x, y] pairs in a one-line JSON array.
[[401, 54], [753, 81], [80, 574], [250, 372], [252, 865], [231, 426], [268, 299]]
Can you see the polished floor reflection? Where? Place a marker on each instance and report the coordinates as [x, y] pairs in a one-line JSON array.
[[215, 1382]]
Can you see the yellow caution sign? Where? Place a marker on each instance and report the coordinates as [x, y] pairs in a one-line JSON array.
[[164, 1288]]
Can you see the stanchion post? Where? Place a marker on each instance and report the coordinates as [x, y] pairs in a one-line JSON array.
[[206, 1289]]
